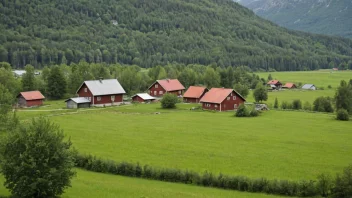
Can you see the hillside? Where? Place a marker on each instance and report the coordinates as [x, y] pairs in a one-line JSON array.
[[158, 32], [316, 16]]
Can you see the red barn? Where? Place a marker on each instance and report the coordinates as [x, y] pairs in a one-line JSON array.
[[160, 87], [102, 92], [143, 97], [275, 83], [30, 99], [194, 94], [289, 86], [221, 99]]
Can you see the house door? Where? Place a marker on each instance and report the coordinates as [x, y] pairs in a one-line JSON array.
[[155, 92], [235, 106]]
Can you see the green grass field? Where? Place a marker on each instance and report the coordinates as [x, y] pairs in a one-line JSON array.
[[278, 144], [321, 78], [91, 185]]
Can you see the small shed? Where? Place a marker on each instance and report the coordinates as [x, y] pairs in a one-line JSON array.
[[143, 97], [76, 103], [289, 86], [276, 83], [194, 94], [30, 99], [309, 87]]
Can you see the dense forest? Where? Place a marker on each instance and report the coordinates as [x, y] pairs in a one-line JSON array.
[[157, 32]]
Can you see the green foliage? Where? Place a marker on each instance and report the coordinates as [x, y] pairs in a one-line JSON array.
[[242, 111], [253, 112], [211, 78], [5, 65], [242, 89], [323, 104], [342, 114], [8, 80], [324, 184], [343, 97], [286, 105], [276, 104], [6, 102], [260, 93], [343, 187], [28, 79], [307, 106], [36, 161], [270, 77], [157, 33], [56, 84], [169, 101], [297, 104]]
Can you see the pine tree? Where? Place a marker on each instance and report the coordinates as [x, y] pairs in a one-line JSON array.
[[56, 84], [276, 104]]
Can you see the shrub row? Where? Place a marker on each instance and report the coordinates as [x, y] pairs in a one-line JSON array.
[[279, 187]]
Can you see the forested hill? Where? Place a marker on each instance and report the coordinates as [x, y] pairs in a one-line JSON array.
[[157, 32]]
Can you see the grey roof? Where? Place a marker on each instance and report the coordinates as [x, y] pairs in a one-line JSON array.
[[307, 86], [104, 87], [79, 100], [145, 96]]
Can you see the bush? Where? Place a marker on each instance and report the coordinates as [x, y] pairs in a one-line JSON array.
[[324, 185], [285, 105], [343, 187], [342, 114], [297, 104], [254, 112], [323, 104], [307, 106], [329, 87], [169, 101], [37, 162], [242, 111]]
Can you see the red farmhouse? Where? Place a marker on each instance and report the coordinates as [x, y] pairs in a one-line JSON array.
[[142, 97], [160, 87], [221, 99], [194, 94], [275, 83], [30, 99], [102, 92]]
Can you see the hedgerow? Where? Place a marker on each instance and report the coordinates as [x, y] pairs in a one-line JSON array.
[[303, 188]]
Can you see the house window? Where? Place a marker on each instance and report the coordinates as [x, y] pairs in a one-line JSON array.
[[156, 85], [216, 106], [231, 94], [151, 92], [160, 92], [228, 98], [234, 97], [235, 106], [90, 98], [98, 98], [155, 92], [85, 90], [179, 92], [112, 98]]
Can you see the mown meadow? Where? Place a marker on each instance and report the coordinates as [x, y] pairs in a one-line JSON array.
[[277, 145]]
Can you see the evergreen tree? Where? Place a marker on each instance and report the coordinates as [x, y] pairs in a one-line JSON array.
[[270, 77], [211, 78], [260, 93], [56, 83], [276, 104], [28, 79], [343, 97]]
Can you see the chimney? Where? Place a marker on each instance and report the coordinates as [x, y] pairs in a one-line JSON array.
[[101, 79]]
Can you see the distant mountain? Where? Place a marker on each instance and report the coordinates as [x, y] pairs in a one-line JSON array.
[[331, 17]]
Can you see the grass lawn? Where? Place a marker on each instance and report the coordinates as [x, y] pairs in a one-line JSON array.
[[89, 184], [321, 78], [278, 144]]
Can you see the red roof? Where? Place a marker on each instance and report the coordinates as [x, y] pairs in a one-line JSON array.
[[194, 92], [290, 85], [217, 95], [273, 82], [32, 95], [171, 84]]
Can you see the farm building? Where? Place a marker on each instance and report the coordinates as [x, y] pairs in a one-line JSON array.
[[160, 87], [309, 87], [76, 103], [30, 99], [194, 94], [143, 97], [18, 73], [275, 84], [221, 99], [289, 86], [102, 92]]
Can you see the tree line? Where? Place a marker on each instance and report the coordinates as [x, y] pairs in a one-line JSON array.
[[160, 32], [62, 81]]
